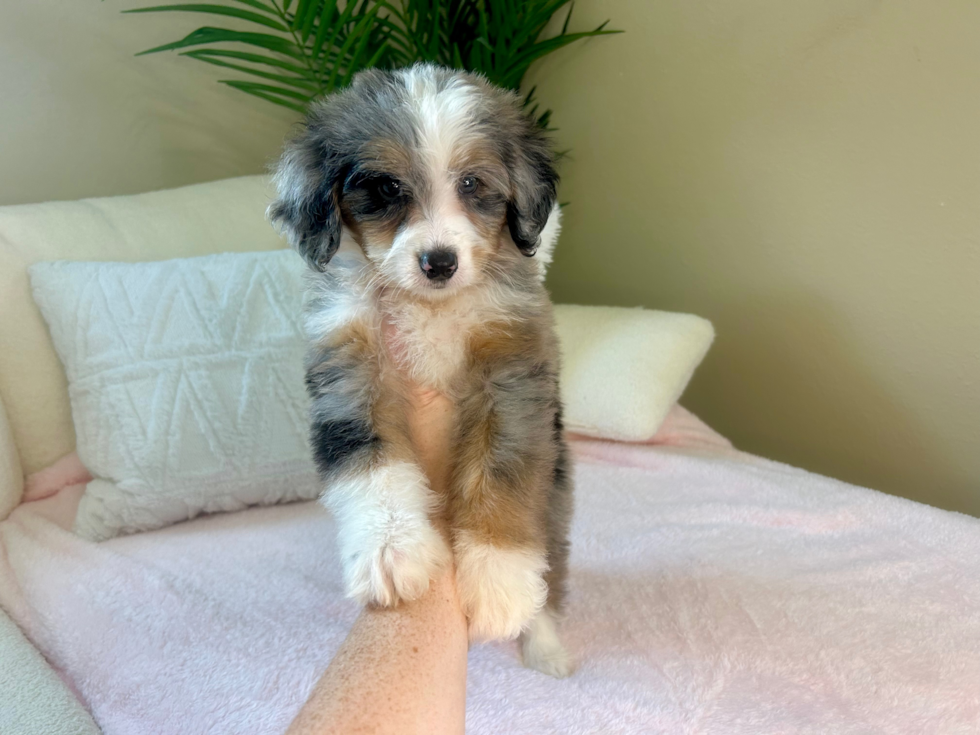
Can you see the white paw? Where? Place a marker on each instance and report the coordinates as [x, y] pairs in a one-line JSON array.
[[389, 548], [500, 589], [398, 568], [542, 650]]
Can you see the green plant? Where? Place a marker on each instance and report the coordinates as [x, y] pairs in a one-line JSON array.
[[304, 49]]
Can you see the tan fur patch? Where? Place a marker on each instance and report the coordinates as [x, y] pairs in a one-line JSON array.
[[500, 500], [502, 340], [388, 156]]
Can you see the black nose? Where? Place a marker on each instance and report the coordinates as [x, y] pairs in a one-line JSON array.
[[438, 265]]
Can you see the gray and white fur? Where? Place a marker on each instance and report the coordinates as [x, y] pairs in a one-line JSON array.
[[424, 202]]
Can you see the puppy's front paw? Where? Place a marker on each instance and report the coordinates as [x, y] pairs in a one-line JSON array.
[[389, 547], [398, 568], [500, 589]]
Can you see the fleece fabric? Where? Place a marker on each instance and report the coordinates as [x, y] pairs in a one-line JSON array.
[[712, 592]]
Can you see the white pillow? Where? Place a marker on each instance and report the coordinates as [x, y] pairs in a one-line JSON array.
[[187, 392], [623, 369], [186, 384]]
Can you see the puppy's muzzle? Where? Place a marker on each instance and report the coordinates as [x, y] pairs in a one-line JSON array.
[[438, 265]]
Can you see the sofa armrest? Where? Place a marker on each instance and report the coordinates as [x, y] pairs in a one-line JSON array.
[[11, 475], [33, 700]]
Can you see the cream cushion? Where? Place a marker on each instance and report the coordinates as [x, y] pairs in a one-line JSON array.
[[623, 369]]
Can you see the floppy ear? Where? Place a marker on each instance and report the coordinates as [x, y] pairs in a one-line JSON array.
[[307, 209], [534, 184]]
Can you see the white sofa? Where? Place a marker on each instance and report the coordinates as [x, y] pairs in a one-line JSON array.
[[712, 591], [35, 416]]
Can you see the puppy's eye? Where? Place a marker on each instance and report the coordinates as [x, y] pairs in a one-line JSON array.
[[388, 188], [469, 185]]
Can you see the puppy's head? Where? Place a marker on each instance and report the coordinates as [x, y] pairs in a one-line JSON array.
[[431, 171]]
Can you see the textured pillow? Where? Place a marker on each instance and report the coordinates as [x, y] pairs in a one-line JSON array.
[[187, 393], [201, 219], [186, 384]]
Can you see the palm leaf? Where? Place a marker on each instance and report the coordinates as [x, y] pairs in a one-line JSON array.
[[205, 54], [355, 63], [321, 32], [267, 88], [269, 7], [306, 13], [358, 33], [519, 65], [256, 91], [214, 10], [336, 34], [208, 35], [298, 82]]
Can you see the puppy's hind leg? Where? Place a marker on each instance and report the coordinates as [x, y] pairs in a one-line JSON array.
[[541, 648]]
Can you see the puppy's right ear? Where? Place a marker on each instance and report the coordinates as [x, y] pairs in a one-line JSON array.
[[307, 209]]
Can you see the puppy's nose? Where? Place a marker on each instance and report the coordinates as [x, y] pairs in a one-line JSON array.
[[438, 265]]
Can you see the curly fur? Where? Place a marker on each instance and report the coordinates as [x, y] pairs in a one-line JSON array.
[[399, 166]]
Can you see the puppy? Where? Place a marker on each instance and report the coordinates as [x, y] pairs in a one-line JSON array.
[[423, 201]]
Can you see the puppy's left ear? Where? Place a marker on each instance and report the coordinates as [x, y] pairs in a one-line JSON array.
[[307, 210], [534, 187]]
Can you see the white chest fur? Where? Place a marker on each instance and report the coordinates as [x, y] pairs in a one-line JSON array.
[[430, 341]]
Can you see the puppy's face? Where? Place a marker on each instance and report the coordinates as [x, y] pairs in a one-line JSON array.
[[431, 171], [430, 212]]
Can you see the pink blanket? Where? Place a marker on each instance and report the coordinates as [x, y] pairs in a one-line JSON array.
[[712, 592]]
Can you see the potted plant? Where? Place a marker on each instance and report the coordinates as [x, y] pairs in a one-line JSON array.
[[298, 51]]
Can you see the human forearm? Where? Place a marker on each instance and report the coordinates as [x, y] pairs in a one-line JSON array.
[[401, 670]]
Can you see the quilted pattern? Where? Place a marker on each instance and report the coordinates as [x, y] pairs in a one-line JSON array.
[[186, 384]]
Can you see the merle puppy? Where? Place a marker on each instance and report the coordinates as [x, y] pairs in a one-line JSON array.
[[424, 203]]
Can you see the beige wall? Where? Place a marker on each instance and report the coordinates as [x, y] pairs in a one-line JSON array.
[[79, 116], [807, 175]]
